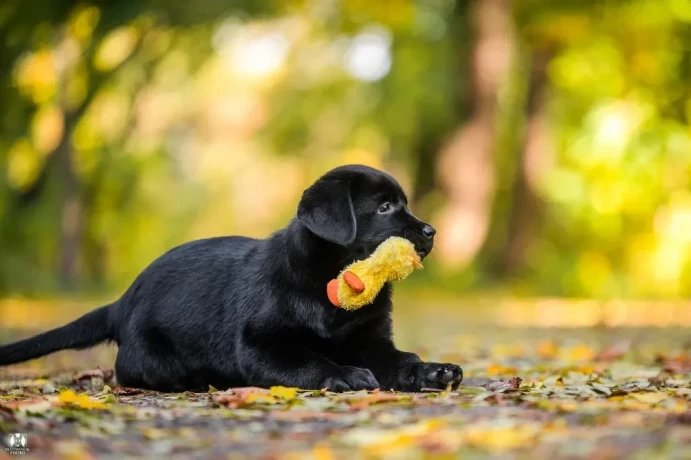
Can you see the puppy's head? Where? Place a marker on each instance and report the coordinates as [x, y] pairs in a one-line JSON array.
[[358, 207]]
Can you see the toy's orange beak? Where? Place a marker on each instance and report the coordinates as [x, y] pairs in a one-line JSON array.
[[354, 282], [332, 292], [351, 279]]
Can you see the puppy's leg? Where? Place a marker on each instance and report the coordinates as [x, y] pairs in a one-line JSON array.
[[283, 364], [399, 370], [139, 367]]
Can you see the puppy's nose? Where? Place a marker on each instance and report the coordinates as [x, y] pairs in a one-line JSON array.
[[428, 231]]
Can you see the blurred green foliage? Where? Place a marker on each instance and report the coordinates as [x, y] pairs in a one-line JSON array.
[[129, 127]]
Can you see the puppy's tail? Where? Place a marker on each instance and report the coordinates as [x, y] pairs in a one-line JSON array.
[[89, 330]]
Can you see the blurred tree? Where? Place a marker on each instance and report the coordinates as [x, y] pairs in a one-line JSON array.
[[548, 141], [57, 59], [467, 166]]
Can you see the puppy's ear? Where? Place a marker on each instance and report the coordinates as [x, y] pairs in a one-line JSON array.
[[326, 209]]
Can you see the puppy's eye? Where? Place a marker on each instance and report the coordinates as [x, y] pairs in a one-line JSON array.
[[384, 208]]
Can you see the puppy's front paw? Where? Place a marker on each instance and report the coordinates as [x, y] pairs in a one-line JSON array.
[[431, 375], [353, 378]]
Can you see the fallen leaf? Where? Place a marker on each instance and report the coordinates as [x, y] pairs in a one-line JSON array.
[[684, 392], [287, 393], [613, 352], [680, 364], [252, 398], [683, 419], [497, 369], [229, 399], [374, 398], [547, 350], [499, 386], [601, 388], [304, 415], [105, 374], [239, 397], [81, 401], [105, 391], [472, 391], [650, 398], [515, 382], [632, 387], [579, 353], [31, 405], [48, 388], [126, 391], [248, 390], [499, 439]]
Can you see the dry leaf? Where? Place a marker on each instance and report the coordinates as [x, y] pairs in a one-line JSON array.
[[81, 401], [287, 393], [579, 352], [499, 386], [498, 439], [105, 374], [239, 397], [304, 415], [374, 398], [650, 398], [127, 391], [497, 369], [613, 352], [547, 350]]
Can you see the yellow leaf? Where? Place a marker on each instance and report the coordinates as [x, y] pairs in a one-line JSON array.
[[155, 433], [580, 353], [67, 396], [322, 452], [81, 401], [287, 393], [501, 439], [586, 369], [497, 369], [501, 351], [649, 398], [260, 398], [547, 349], [568, 406]]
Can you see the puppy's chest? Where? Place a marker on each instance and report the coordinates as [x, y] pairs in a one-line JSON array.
[[336, 324], [330, 335]]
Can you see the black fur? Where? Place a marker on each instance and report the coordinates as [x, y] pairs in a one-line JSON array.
[[236, 311]]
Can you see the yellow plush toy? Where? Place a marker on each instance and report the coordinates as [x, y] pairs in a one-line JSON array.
[[360, 282]]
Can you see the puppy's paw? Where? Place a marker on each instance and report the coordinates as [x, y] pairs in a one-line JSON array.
[[352, 379], [431, 375], [360, 378]]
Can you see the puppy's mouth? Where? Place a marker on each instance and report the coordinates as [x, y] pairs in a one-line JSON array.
[[422, 247], [422, 253]]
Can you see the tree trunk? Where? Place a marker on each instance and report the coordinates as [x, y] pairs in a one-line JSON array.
[[434, 134], [466, 167], [533, 156], [72, 219]]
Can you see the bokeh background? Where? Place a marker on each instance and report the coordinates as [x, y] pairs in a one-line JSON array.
[[549, 142]]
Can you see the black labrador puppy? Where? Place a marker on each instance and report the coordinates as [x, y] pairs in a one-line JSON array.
[[235, 311]]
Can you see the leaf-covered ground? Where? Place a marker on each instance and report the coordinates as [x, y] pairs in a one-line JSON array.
[[528, 393]]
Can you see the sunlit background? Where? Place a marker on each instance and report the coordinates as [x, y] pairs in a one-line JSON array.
[[548, 141]]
